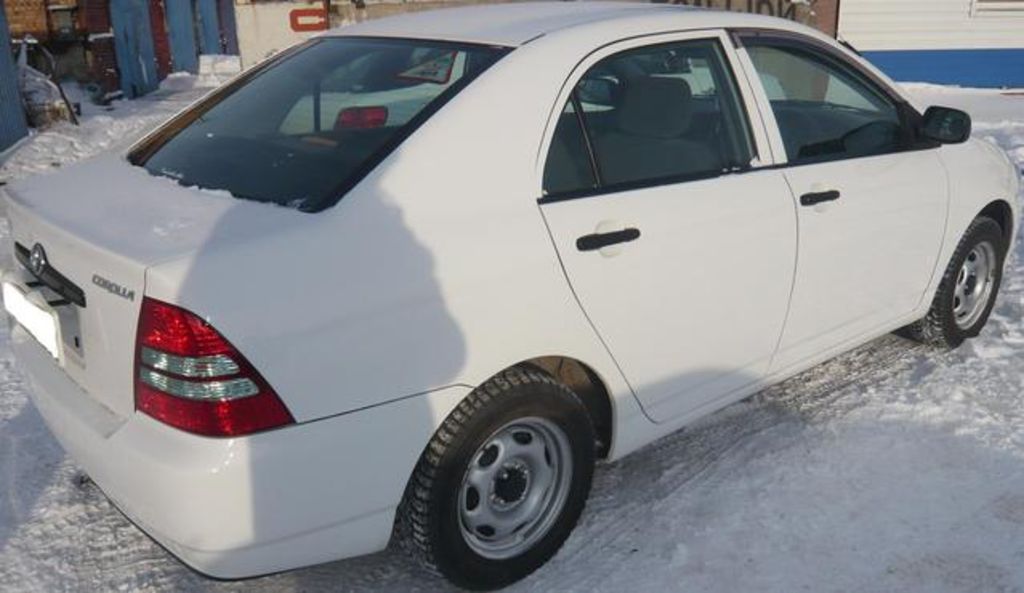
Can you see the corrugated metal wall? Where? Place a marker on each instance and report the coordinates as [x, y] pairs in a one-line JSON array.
[[926, 24], [228, 30], [133, 43], [12, 116], [209, 27], [941, 41], [182, 30]]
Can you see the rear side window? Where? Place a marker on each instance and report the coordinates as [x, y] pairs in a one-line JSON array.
[[825, 111], [656, 114], [307, 128]]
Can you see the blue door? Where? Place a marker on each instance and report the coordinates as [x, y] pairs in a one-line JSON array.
[[226, 13], [133, 44], [209, 27], [199, 27], [182, 33], [12, 115]]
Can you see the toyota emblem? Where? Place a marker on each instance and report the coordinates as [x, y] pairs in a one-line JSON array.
[[37, 261]]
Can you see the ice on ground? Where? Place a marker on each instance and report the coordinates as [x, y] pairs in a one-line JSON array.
[[891, 468]]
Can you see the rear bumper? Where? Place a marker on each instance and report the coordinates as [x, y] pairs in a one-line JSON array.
[[241, 507]]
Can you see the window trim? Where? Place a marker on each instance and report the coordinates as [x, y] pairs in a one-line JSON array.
[[628, 186], [759, 136], [908, 114], [581, 121]]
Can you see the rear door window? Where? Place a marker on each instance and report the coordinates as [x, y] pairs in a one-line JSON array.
[[652, 115], [304, 130]]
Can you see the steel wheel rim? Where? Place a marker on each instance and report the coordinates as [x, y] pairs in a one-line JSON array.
[[974, 283], [515, 487]]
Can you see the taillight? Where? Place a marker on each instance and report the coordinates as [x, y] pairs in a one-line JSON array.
[[360, 118], [188, 376]]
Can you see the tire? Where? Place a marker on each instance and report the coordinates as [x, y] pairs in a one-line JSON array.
[[513, 434], [949, 321]]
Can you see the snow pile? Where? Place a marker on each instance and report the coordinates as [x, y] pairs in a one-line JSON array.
[[215, 70], [178, 81], [892, 468], [117, 126], [102, 129]]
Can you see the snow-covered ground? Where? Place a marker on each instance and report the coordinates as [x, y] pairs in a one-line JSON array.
[[892, 468], [101, 129]]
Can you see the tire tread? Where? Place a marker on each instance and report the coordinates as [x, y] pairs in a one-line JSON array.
[[413, 524], [933, 329]]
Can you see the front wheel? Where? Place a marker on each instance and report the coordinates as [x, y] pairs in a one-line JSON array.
[[503, 482], [968, 289]]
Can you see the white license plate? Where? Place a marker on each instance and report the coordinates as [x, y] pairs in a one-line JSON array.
[[41, 322]]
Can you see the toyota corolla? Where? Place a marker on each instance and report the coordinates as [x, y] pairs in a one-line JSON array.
[[414, 277]]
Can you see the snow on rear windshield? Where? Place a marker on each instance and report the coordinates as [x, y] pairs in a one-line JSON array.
[[308, 127]]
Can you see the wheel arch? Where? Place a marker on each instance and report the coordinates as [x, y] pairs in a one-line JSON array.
[[1000, 211], [583, 380]]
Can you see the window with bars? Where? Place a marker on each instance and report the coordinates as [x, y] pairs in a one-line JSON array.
[[997, 7]]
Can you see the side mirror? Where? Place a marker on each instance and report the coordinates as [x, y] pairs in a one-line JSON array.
[[946, 125]]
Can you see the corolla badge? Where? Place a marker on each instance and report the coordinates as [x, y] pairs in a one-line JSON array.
[[37, 260], [113, 287]]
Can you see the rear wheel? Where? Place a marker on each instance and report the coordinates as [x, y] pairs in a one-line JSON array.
[[502, 483], [968, 289]]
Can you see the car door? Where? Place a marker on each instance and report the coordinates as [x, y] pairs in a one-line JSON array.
[[871, 199], [679, 250]]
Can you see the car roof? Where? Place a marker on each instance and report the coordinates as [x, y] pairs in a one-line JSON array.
[[517, 23]]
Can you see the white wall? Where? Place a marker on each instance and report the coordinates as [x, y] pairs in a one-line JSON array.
[[264, 28], [926, 24]]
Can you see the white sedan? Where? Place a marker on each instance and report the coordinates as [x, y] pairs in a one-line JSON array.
[[417, 275]]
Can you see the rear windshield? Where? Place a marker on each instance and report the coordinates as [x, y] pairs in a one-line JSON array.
[[303, 130]]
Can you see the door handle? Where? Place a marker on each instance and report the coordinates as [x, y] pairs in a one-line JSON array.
[[600, 240], [818, 197]]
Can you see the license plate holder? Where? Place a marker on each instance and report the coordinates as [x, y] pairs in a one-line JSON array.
[[31, 311]]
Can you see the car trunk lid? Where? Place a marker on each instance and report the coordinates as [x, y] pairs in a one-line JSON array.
[[102, 224]]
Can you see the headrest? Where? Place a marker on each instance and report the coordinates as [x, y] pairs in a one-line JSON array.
[[657, 107]]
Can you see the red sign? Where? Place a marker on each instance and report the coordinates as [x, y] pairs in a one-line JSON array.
[[308, 19]]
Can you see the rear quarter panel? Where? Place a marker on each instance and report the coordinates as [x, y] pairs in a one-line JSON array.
[[436, 270]]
